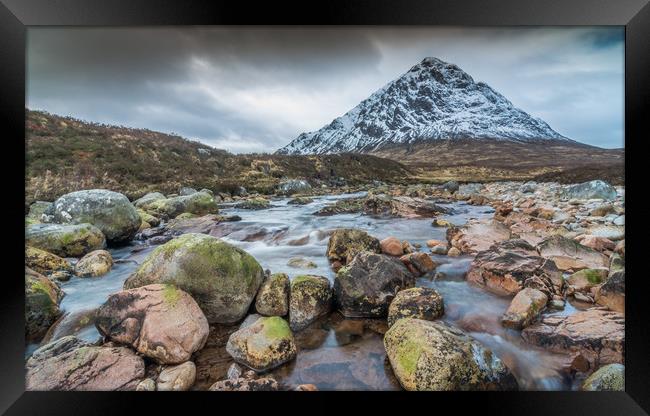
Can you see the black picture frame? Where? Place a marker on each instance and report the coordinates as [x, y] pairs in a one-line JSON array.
[[17, 15]]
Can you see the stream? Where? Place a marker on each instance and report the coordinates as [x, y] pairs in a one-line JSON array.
[[340, 353]]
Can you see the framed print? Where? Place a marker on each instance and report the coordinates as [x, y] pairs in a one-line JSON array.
[[376, 198]]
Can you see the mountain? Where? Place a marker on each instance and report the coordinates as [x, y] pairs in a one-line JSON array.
[[64, 154], [434, 100]]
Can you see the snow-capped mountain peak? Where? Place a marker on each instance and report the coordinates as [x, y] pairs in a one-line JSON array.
[[433, 100]]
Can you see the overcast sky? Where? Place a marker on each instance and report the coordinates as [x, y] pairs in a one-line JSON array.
[[256, 89]]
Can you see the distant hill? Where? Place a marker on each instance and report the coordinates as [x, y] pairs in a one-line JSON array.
[[65, 154]]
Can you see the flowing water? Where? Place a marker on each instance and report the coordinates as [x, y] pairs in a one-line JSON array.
[[340, 353]]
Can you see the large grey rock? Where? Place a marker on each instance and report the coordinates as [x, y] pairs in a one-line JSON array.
[[109, 211], [590, 190], [310, 297], [293, 186], [222, 278]]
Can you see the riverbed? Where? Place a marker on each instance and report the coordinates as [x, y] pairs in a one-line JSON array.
[[337, 353]]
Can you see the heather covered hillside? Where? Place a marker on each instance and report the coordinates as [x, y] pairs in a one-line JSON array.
[[64, 155]]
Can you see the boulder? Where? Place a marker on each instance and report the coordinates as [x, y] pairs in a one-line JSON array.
[[597, 334], [45, 263], [146, 200], [199, 203], [509, 266], [300, 200], [477, 236], [177, 377], [186, 190], [301, 263], [429, 355], [612, 293], [70, 364], [109, 211], [254, 203], [96, 263], [418, 302], [273, 296], [345, 243], [468, 189], [36, 211], [310, 298], [65, 240], [246, 384], [418, 263], [524, 308], [42, 298], [366, 286], [589, 190], [148, 218], [609, 232], [293, 186], [610, 377], [597, 243], [585, 279], [159, 321], [266, 343], [391, 246], [571, 255], [221, 277], [146, 385], [450, 186]]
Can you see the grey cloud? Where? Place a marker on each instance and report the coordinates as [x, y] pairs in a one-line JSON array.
[[256, 88]]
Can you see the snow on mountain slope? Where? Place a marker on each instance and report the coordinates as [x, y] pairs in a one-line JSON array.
[[433, 100]]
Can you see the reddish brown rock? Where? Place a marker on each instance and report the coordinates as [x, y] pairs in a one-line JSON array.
[[612, 293], [70, 364], [418, 263], [571, 255], [511, 265], [597, 334], [477, 236], [597, 243], [159, 321], [524, 308], [391, 246]]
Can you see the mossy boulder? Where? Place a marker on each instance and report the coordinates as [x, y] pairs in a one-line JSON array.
[[199, 203], [65, 240], [254, 203], [428, 355], [36, 211], [584, 280], [300, 200], [148, 218], [111, 212], [161, 322], [366, 286], [222, 278], [273, 296], [42, 298], [96, 263], [345, 243], [610, 377], [418, 302], [45, 263], [310, 298], [265, 344], [146, 200]]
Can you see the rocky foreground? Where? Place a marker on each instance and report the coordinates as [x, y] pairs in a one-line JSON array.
[[196, 296]]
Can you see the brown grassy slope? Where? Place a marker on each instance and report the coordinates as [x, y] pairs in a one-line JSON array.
[[64, 154], [485, 159]]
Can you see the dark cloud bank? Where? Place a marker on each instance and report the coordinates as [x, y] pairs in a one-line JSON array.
[[256, 89]]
